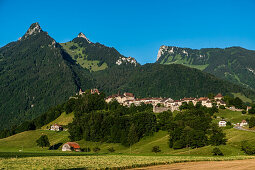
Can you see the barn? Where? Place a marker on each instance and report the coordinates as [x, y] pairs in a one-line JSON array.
[[71, 146]]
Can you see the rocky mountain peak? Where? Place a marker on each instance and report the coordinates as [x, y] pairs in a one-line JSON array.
[[81, 35], [33, 29]]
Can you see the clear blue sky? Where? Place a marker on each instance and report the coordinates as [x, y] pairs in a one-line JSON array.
[[135, 28]]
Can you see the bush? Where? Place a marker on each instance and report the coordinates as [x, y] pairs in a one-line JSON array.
[[217, 152], [96, 149], [243, 111], [156, 149], [86, 149], [43, 141], [111, 149], [247, 148], [222, 107]]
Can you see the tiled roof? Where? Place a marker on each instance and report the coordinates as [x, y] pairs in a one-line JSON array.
[[74, 145]]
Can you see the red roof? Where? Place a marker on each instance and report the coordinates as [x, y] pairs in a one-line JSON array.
[[129, 94], [203, 98], [244, 121], [219, 95], [74, 145]]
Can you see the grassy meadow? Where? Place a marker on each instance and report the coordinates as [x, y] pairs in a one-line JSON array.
[[20, 150]]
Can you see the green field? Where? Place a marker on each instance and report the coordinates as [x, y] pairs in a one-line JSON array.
[[80, 58], [102, 161], [232, 116], [63, 119], [242, 97]]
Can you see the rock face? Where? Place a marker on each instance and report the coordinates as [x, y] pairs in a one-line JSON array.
[[33, 29], [126, 60], [81, 35]]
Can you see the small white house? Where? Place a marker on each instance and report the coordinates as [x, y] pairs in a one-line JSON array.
[[222, 123], [243, 123], [56, 127]]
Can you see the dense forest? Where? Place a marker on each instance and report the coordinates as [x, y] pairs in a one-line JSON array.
[[157, 80]]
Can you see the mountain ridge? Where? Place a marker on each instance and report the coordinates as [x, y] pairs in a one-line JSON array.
[[235, 64]]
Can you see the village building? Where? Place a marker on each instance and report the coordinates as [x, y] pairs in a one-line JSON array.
[[248, 108], [218, 96], [94, 91], [81, 92], [71, 146], [127, 99], [56, 127], [243, 123], [222, 123]]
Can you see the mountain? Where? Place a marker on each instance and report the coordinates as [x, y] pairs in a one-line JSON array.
[[36, 73], [95, 56], [157, 80], [234, 64]]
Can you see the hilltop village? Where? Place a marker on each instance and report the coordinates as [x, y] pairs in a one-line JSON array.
[[163, 104]]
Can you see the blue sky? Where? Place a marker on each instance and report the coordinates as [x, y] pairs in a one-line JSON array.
[[135, 28]]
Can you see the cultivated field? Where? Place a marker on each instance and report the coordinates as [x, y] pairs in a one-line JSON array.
[[102, 161]]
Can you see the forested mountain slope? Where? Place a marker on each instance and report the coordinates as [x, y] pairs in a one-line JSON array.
[[35, 73], [157, 80], [234, 64]]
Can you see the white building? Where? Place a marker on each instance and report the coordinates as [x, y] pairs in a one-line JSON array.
[[222, 123], [243, 123]]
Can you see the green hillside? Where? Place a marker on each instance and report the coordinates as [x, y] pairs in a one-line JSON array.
[[234, 64], [26, 140], [95, 56], [36, 74], [63, 119], [76, 52]]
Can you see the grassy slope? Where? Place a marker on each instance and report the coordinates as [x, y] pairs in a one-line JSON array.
[[144, 146], [27, 140], [91, 65], [232, 116], [242, 97], [63, 119]]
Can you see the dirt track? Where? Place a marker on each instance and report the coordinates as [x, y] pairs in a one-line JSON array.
[[248, 164]]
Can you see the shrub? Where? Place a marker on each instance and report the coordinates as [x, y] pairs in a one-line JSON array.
[[243, 111], [247, 148], [111, 149], [217, 152], [86, 149], [156, 149], [222, 107], [43, 141], [96, 149]]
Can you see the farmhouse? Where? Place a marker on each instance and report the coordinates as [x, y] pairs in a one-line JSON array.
[[222, 123], [56, 127], [243, 123], [71, 146]]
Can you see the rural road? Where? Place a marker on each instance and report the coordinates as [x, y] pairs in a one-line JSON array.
[[248, 164], [240, 128]]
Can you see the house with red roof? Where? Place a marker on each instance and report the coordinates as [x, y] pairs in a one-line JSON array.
[[71, 146]]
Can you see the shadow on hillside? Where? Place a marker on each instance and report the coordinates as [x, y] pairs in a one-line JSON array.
[[55, 147]]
